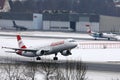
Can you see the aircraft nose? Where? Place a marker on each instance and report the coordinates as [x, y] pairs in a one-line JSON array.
[[75, 44]]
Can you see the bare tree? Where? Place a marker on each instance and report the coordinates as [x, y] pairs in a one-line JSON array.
[[13, 71], [48, 69], [60, 75], [31, 69], [2, 72], [81, 69], [72, 71]]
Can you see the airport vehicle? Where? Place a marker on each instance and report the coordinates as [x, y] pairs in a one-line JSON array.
[[64, 47], [97, 35], [21, 28]]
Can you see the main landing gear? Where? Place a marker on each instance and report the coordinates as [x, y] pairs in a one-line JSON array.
[[108, 38], [55, 58], [38, 58], [95, 38]]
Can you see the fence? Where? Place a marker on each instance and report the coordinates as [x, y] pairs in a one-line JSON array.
[[98, 45]]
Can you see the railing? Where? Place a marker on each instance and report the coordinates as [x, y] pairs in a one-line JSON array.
[[98, 45]]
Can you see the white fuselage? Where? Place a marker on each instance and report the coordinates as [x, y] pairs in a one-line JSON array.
[[103, 35], [106, 35], [51, 48]]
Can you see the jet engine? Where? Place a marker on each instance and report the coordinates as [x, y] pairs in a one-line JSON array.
[[40, 52], [66, 53]]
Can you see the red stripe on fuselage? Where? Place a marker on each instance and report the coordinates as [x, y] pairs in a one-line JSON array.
[[57, 43]]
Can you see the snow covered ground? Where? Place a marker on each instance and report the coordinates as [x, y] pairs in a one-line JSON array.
[[49, 34], [102, 75], [100, 55], [97, 54]]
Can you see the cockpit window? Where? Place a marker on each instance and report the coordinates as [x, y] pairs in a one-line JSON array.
[[72, 41]]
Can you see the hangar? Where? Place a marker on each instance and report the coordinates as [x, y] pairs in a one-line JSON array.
[[70, 22], [62, 21], [78, 22], [109, 24]]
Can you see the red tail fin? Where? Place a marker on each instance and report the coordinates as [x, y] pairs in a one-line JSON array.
[[89, 30], [20, 42]]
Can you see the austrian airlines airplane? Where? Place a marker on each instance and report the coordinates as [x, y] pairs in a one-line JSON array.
[[64, 47]]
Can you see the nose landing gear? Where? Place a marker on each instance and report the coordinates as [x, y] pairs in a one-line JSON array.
[[55, 58]]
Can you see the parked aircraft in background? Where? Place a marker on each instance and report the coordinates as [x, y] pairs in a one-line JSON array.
[[97, 35], [64, 47], [21, 28]]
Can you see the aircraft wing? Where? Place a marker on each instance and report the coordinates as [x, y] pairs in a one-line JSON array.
[[31, 50], [10, 51]]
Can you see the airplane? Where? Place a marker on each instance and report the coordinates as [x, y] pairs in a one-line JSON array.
[[97, 35], [64, 47], [21, 28]]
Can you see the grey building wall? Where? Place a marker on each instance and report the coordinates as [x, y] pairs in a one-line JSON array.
[[21, 19], [81, 26], [87, 20], [7, 24], [37, 21], [75, 22], [56, 25], [109, 24], [61, 22]]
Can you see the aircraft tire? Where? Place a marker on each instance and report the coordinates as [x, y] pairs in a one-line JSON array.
[[38, 58], [108, 38], [55, 58]]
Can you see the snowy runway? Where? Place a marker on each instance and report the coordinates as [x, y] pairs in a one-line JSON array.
[[91, 55], [88, 51]]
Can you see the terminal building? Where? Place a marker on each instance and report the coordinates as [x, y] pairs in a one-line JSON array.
[[61, 22]]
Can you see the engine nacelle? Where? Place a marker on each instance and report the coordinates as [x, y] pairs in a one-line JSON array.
[[40, 52], [66, 53]]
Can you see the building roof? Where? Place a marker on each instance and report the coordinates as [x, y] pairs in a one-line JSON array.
[[2, 4]]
